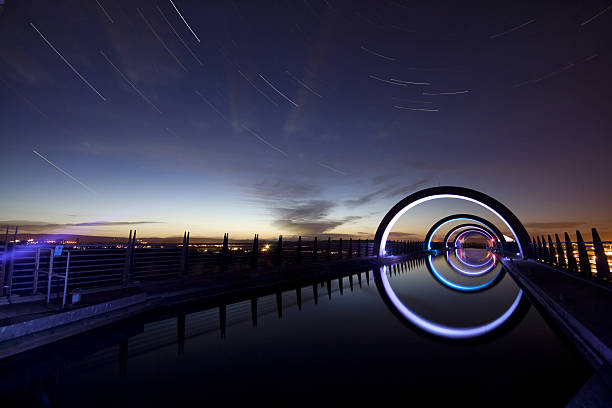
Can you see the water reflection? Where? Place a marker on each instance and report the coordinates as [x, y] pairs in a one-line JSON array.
[[481, 276], [210, 351]]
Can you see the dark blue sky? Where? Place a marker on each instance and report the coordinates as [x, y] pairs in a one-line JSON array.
[[511, 98]]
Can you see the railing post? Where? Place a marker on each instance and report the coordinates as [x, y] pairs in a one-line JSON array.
[[50, 274], [298, 255], [126, 268], [279, 251], [66, 279], [546, 253], [182, 273], [132, 259], [9, 277], [340, 248], [560, 252], [601, 261], [358, 247], [328, 253], [552, 252], [225, 251], [255, 251], [583, 256], [569, 250], [36, 271], [536, 252], [4, 259], [185, 254], [315, 250], [350, 248]]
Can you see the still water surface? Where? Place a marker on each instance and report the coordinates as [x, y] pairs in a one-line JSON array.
[[354, 344]]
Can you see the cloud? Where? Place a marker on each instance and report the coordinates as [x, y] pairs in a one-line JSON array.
[[310, 218], [554, 225], [41, 226], [389, 191]]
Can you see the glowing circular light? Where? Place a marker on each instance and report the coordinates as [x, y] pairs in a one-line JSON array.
[[461, 193], [439, 329], [390, 225]]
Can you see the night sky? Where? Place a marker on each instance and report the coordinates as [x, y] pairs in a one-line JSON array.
[[299, 117]]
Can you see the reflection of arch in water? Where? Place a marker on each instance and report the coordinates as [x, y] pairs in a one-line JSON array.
[[506, 321], [490, 263], [463, 288], [458, 228], [510, 220]]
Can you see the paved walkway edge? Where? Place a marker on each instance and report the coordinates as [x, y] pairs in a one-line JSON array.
[[588, 343]]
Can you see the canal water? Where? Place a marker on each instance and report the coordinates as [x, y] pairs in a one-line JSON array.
[[453, 328]]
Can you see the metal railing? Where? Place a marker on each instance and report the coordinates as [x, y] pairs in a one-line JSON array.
[[590, 259], [26, 267]]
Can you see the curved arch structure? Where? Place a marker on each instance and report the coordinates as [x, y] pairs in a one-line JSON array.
[[467, 217], [498, 235], [461, 193]]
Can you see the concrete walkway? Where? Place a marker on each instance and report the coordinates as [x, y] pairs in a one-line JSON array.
[[582, 309]]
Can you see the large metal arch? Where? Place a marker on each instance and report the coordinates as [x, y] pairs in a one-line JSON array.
[[468, 227], [462, 193]]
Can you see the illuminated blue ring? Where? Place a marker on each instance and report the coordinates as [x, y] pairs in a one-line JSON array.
[[463, 272], [456, 286], [462, 193], [439, 329]]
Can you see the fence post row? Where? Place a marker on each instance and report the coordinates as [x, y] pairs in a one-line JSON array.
[[315, 250], [554, 253]]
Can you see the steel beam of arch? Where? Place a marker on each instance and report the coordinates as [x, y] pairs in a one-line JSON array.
[[462, 193], [500, 238]]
